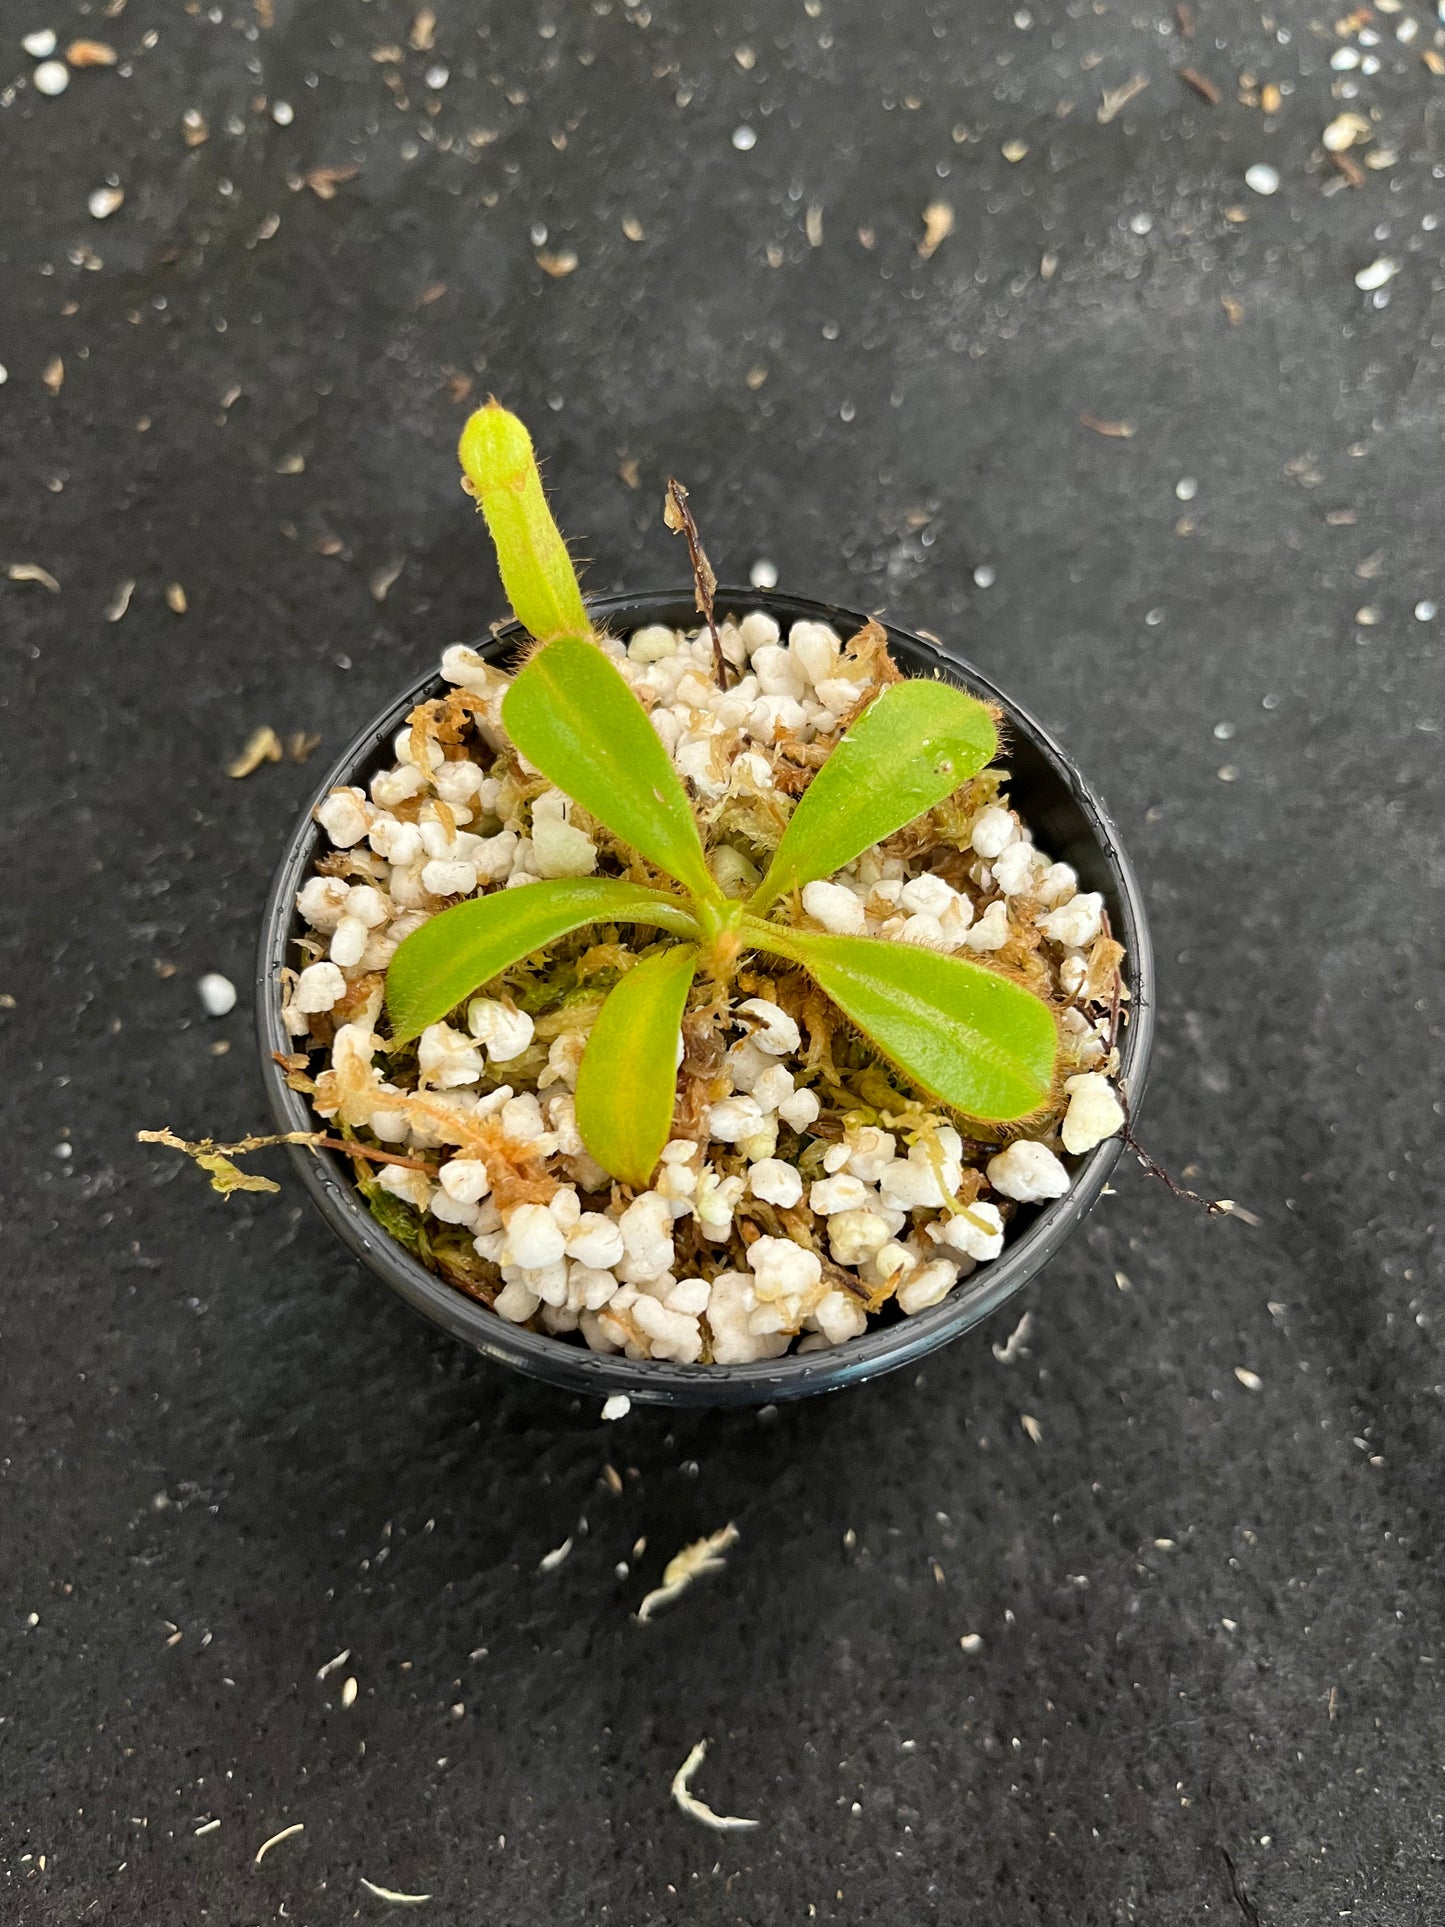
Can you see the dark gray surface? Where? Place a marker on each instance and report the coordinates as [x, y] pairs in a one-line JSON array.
[[1211, 1616]]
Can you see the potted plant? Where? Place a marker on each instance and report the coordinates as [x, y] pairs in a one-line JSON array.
[[684, 1009]]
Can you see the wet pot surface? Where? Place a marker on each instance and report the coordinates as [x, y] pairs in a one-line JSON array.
[[1067, 820]]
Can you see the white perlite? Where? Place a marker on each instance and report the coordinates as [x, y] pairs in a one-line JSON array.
[[217, 994], [783, 1221]]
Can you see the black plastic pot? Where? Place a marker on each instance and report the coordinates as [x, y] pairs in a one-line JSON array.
[[1069, 822]]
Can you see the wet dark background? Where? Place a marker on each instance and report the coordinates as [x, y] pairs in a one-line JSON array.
[[1209, 1680]]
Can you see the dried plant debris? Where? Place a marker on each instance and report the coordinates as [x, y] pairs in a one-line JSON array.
[[702, 1556], [226, 1177], [324, 181], [1202, 85], [263, 745], [396, 1898], [1115, 431], [679, 518], [215, 1160], [806, 1189], [120, 601], [385, 578], [937, 226], [697, 1809], [1017, 1339], [1116, 99], [32, 572], [286, 1833]]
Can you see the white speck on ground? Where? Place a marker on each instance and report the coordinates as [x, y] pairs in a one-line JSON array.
[[218, 994], [745, 138], [1263, 179], [618, 1406], [1376, 274], [51, 77]]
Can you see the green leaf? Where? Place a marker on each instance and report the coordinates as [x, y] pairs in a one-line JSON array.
[[463, 948], [965, 1034], [537, 573], [571, 713], [906, 752], [627, 1084]]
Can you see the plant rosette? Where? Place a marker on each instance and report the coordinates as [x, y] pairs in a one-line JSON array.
[[692, 997]]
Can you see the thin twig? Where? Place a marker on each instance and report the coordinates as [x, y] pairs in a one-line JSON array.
[[1237, 1893], [1115, 1000], [352, 1149], [679, 519], [1201, 83], [1216, 1207], [315, 1140]]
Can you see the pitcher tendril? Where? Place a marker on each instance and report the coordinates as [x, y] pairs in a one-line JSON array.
[[537, 573]]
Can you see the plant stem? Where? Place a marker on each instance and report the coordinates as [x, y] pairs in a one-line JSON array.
[[679, 519]]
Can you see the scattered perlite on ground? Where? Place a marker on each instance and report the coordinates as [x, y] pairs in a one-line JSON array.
[[806, 1189]]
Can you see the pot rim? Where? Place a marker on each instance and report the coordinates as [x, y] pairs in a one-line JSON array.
[[327, 1177]]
